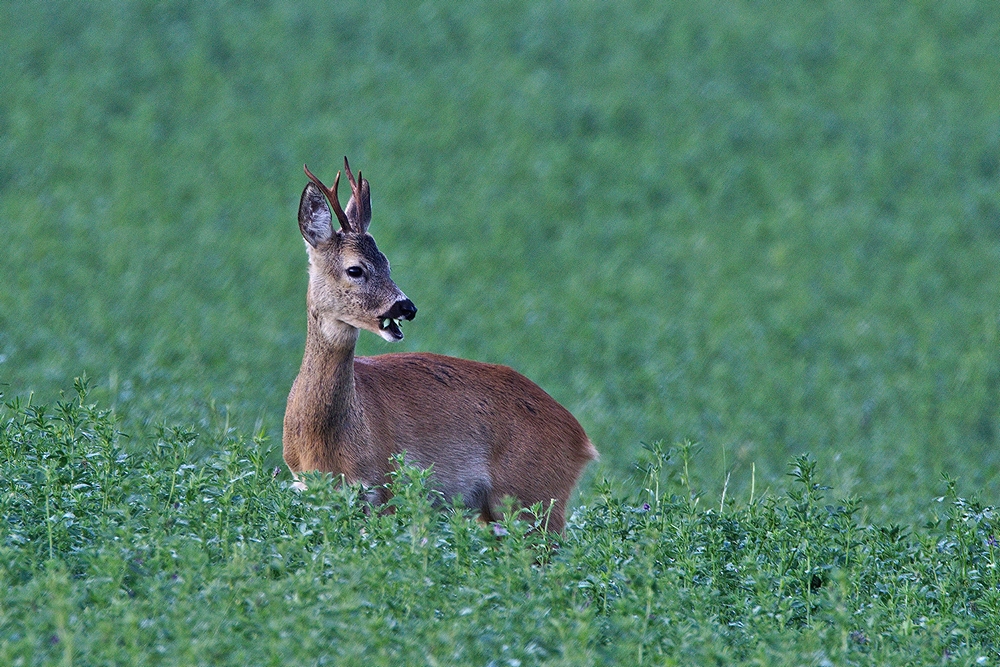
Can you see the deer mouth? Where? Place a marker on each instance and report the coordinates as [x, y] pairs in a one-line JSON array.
[[388, 323], [389, 328]]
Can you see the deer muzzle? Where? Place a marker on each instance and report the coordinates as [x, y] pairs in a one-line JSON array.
[[390, 320]]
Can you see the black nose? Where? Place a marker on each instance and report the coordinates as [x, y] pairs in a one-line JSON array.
[[403, 310]]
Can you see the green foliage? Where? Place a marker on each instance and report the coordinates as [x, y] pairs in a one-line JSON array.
[[770, 227], [149, 556]]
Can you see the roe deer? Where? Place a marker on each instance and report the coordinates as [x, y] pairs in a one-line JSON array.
[[488, 431]]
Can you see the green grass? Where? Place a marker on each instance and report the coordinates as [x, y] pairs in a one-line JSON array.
[[769, 228], [115, 557]]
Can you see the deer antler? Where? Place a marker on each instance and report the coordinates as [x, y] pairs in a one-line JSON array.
[[331, 195], [362, 198]]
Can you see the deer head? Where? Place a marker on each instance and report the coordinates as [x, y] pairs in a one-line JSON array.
[[349, 283]]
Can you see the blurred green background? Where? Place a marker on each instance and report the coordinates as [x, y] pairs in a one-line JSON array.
[[770, 227]]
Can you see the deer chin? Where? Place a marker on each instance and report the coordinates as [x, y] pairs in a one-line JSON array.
[[388, 328]]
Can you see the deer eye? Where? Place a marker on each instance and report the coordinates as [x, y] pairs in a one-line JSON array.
[[355, 271]]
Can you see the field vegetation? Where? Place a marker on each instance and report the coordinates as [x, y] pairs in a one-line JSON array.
[[770, 229], [118, 557]]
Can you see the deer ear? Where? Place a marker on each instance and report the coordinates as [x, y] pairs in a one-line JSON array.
[[315, 219]]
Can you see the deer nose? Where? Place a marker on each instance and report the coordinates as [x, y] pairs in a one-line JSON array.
[[407, 309], [403, 310]]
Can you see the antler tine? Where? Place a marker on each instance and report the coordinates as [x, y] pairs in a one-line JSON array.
[[331, 196], [350, 178], [362, 211]]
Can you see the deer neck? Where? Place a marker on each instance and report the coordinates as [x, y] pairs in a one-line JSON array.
[[329, 358], [325, 427], [328, 371]]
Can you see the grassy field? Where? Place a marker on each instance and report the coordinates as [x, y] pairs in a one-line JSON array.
[[112, 557], [772, 229]]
